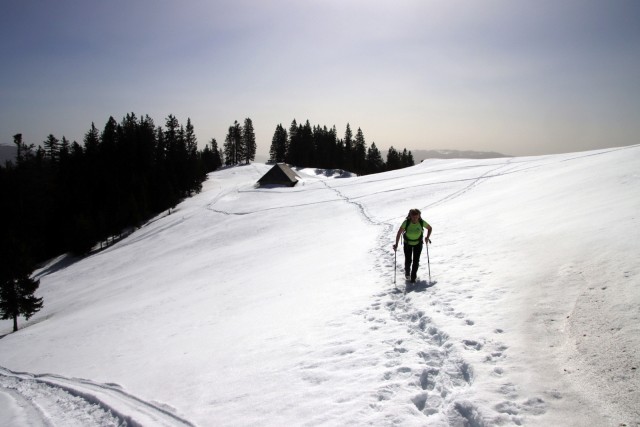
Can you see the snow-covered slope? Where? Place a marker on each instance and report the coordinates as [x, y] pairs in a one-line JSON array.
[[277, 306]]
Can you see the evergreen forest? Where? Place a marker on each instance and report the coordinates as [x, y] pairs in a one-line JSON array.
[[66, 197], [319, 147]]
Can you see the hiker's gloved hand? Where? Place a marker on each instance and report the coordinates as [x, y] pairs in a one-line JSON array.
[[427, 241], [395, 247]]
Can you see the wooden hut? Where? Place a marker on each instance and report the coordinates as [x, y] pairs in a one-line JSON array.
[[279, 174]]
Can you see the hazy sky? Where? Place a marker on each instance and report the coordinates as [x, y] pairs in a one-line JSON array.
[[518, 77]]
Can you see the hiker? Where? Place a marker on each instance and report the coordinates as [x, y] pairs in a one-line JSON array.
[[412, 232]]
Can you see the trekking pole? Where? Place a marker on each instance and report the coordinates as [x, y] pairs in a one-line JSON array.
[[395, 265], [428, 263]]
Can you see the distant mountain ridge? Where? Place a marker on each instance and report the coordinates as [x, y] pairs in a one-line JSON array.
[[420, 155]]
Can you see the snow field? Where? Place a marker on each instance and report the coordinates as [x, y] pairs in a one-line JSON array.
[[276, 306]]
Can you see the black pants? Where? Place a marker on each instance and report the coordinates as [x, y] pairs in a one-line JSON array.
[[412, 253]]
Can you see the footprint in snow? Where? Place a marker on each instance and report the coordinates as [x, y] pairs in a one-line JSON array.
[[473, 345], [427, 378], [533, 406], [497, 372], [508, 389]]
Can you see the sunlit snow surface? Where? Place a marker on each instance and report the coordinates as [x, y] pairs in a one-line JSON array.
[[281, 306]]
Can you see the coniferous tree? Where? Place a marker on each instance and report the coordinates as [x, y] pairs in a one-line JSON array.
[[359, 153], [17, 289], [191, 141], [194, 174], [20, 147], [293, 149], [237, 143], [108, 139], [278, 150], [340, 154], [108, 204], [86, 174], [406, 159], [92, 140], [321, 148], [348, 149], [160, 154], [229, 148], [233, 149], [221, 156], [305, 145], [375, 164], [211, 156], [64, 149], [332, 149], [175, 153], [172, 143], [248, 141], [51, 147], [394, 160], [17, 298]]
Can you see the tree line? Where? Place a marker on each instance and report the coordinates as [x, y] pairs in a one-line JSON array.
[[320, 147], [66, 197]]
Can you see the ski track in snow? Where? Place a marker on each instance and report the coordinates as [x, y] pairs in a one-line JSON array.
[[52, 400]]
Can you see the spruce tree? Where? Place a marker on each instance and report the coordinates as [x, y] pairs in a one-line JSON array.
[[17, 140], [278, 150], [92, 141], [234, 150], [230, 147], [339, 154], [321, 147], [359, 153], [306, 153], [160, 154], [51, 147], [348, 149], [190, 138], [16, 286], [237, 143], [172, 143], [64, 148], [213, 159], [393, 159], [375, 163], [292, 156], [406, 159], [17, 298], [248, 141], [194, 180], [333, 154]]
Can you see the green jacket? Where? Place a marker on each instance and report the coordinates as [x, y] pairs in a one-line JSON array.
[[414, 232]]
